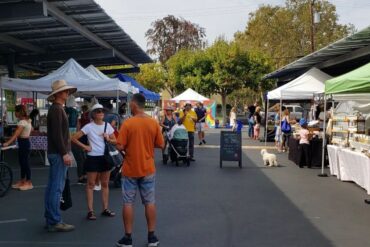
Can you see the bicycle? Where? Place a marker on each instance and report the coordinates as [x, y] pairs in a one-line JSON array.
[[6, 174]]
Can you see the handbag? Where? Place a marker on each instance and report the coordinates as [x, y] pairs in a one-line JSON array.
[[66, 199], [285, 126], [112, 156]]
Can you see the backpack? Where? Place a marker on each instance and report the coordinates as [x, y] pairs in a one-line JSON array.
[[285, 126]]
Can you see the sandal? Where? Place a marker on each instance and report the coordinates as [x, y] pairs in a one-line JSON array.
[[108, 213], [91, 215]]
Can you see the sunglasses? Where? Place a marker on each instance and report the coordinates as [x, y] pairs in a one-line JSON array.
[[99, 111]]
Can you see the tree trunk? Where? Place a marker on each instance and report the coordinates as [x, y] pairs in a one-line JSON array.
[[224, 117]]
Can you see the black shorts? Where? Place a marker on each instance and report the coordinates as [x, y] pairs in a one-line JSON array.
[[96, 164]]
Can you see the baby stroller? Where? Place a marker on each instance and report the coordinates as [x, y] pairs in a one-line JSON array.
[[115, 175], [177, 147]]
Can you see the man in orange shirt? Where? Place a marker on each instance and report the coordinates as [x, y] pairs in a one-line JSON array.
[[138, 136]]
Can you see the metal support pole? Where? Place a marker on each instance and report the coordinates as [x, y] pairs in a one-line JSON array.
[[323, 174]]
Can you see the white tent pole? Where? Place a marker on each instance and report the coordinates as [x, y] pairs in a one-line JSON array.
[[322, 174], [266, 120]]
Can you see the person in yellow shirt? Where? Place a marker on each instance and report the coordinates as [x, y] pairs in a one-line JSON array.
[[189, 118]]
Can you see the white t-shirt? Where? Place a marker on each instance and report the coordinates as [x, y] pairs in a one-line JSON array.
[[27, 127], [95, 133]]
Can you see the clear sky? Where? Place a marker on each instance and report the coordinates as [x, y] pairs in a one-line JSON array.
[[218, 17]]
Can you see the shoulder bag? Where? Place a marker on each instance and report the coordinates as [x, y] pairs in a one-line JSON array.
[[112, 156]]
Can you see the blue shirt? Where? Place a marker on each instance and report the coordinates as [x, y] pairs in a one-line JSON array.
[[201, 112]]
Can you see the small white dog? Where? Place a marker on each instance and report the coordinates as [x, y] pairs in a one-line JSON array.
[[268, 159]]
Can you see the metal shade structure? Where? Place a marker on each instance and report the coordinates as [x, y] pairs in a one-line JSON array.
[[335, 59], [40, 35]]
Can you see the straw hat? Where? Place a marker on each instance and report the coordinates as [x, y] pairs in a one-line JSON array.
[[59, 86]]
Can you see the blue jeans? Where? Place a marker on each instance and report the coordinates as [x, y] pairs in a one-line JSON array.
[[54, 189], [250, 129]]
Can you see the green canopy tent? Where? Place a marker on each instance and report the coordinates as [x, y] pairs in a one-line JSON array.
[[354, 85]]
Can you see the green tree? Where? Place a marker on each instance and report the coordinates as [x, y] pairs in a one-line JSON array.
[[152, 76], [171, 34], [283, 33], [231, 69]]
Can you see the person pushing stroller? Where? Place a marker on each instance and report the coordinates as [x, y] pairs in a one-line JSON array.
[[179, 141]]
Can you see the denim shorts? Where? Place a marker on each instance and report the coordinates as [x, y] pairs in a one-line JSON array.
[[146, 186]]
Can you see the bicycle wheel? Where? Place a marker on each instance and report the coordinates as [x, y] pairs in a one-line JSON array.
[[6, 178]]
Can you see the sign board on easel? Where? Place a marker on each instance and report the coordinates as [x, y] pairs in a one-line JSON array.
[[231, 147]]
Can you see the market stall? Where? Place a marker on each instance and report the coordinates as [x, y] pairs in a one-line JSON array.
[[304, 87], [87, 84], [349, 154]]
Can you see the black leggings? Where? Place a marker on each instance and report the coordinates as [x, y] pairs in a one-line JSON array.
[[24, 146], [304, 150]]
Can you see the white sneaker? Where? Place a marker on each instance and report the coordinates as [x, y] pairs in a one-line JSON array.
[[97, 187]]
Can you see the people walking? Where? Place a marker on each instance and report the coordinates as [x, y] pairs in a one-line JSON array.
[[189, 118], [233, 123], [167, 122], [257, 123], [95, 164], [201, 122], [22, 135], [138, 136], [59, 147], [251, 109]]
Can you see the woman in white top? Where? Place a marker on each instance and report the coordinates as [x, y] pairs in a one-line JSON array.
[[233, 118], [22, 134], [95, 162]]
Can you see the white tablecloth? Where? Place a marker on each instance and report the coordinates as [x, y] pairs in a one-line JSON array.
[[333, 160], [354, 166]]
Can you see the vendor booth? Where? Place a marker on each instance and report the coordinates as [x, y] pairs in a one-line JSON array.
[[304, 87], [87, 85], [349, 128]]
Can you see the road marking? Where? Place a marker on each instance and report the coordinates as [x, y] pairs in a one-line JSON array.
[[12, 221], [243, 147]]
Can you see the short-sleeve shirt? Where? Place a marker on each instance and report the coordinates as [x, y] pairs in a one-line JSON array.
[[303, 133], [27, 127], [95, 133], [188, 121], [201, 112], [139, 136]]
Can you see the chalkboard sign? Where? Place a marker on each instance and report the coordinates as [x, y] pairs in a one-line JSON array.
[[231, 147]]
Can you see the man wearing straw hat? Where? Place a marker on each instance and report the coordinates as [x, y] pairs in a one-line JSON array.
[[59, 147]]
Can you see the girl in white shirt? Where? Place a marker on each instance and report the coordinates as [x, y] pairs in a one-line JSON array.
[[95, 162], [22, 134]]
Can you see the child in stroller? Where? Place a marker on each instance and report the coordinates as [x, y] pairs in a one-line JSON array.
[[178, 144]]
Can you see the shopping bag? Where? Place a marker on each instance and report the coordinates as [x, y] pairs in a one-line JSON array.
[[66, 199]]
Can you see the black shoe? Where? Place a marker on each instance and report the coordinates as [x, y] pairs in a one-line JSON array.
[[124, 242], [191, 159], [367, 201], [200, 143], [300, 166], [204, 141], [153, 241]]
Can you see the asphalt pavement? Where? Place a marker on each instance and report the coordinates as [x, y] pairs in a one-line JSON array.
[[203, 205]]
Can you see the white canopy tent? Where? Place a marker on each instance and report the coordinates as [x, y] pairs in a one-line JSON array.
[[101, 76], [87, 84], [302, 88], [189, 95]]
